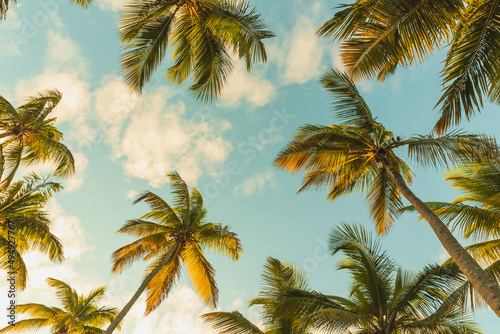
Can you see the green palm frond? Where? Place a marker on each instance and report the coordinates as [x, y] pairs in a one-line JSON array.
[[350, 106], [451, 149], [471, 67], [80, 313], [377, 35], [150, 40], [230, 323], [384, 200], [240, 27]]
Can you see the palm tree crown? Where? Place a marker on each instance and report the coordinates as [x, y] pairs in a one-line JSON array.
[[383, 298], [278, 277], [359, 154], [202, 35], [29, 137], [171, 236], [378, 36], [80, 314]]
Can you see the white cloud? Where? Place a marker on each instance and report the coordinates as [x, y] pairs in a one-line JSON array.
[[114, 5], [157, 137], [245, 87], [255, 183], [300, 55], [131, 194], [69, 230]]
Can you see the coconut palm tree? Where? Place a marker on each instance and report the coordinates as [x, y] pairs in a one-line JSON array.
[[25, 226], [203, 35], [475, 215], [383, 297], [359, 154], [378, 36], [171, 236], [29, 137], [277, 278], [4, 5], [80, 314]]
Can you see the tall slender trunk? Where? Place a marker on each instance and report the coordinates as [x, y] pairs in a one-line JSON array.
[[471, 269], [141, 289]]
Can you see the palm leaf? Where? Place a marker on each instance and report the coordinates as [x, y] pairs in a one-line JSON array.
[[201, 273], [230, 323], [471, 66]]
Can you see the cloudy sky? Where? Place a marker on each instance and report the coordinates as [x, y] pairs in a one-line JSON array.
[[124, 143]]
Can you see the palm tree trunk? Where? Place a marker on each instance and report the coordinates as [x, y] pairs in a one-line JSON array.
[[141, 289], [471, 269]]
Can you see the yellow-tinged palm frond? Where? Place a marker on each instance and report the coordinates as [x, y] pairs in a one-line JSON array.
[[472, 67], [26, 326], [220, 239], [160, 285], [144, 248], [201, 34], [230, 323], [201, 273]]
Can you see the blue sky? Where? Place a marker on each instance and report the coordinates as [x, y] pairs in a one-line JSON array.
[[124, 143]]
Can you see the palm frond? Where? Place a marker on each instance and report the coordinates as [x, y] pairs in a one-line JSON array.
[[350, 106], [230, 323], [201, 273], [451, 149], [471, 67], [160, 285], [384, 199], [399, 31], [147, 37]]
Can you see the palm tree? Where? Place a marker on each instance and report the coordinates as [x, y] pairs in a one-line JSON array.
[[25, 226], [175, 235], [378, 36], [80, 314], [277, 278], [359, 154], [202, 34], [4, 5], [475, 215], [30, 138], [383, 298]]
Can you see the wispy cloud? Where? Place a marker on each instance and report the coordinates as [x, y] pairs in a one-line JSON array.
[[256, 183]]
